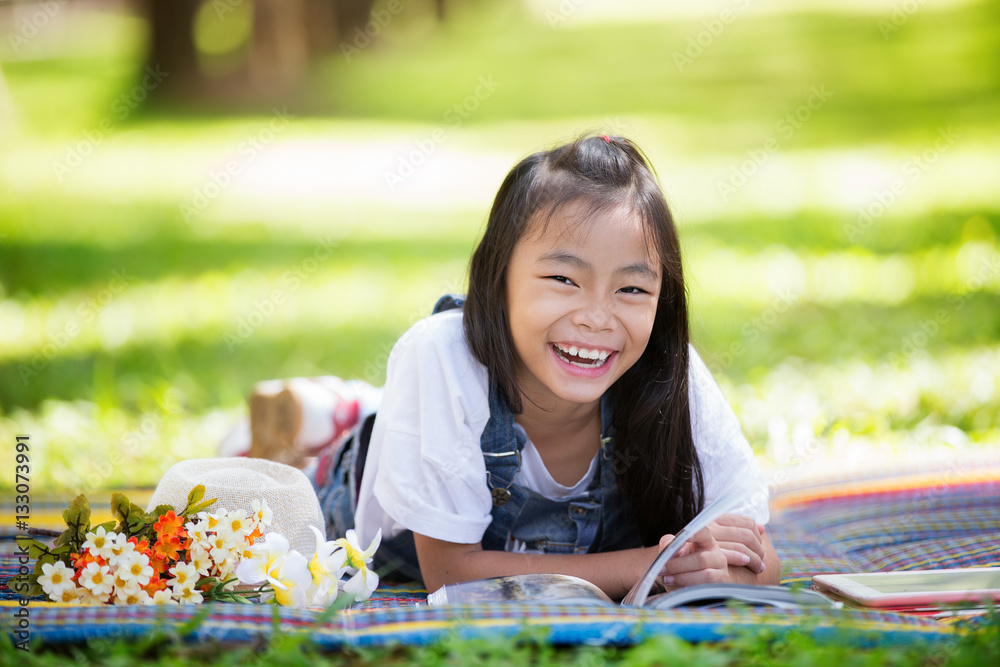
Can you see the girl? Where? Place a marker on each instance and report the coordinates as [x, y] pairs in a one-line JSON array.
[[559, 420]]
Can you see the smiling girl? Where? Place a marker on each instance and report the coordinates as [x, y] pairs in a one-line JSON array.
[[557, 420]]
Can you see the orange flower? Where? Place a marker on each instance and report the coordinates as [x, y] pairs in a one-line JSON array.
[[80, 561], [169, 524], [155, 584], [169, 547], [159, 564], [253, 536], [140, 547]]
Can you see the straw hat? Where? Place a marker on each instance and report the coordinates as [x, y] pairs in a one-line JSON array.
[[237, 482]]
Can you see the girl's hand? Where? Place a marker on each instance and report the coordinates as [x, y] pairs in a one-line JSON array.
[[741, 539], [700, 561]]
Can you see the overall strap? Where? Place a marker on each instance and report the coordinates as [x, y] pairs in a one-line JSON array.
[[501, 444], [618, 529]]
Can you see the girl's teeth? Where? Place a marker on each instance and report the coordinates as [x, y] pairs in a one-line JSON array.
[[600, 356]]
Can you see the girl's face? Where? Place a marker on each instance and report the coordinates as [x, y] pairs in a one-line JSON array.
[[581, 298]]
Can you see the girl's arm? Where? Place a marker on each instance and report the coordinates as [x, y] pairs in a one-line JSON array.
[[701, 561], [614, 572]]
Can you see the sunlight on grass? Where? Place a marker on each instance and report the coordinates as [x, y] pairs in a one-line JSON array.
[[834, 413], [122, 311], [904, 407], [217, 306], [308, 173], [727, 274], [835, 193]]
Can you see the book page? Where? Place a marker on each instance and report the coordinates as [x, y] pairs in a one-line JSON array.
[[727, 501]]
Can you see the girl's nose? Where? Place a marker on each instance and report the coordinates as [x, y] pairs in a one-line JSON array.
[[595, 315]]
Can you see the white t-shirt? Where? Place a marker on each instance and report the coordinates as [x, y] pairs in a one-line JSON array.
[[425, 470]]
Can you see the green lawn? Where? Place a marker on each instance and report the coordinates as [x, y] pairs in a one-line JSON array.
[[115, 293]]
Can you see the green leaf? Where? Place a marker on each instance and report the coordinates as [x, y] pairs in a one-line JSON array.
[[133, 520], [197, 493], [160, 510], [120, 508], [137, 517], [65, 538], [196, 502], [108, 525], [36, 549], [77, 517]]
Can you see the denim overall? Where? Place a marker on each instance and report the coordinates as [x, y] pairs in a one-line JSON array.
[[596, 520]]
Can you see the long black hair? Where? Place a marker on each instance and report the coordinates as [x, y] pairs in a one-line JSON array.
[[657, 466]]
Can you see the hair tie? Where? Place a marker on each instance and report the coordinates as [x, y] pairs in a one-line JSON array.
[[606, 138]]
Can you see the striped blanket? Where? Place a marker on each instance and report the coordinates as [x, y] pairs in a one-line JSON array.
[[893, 523]]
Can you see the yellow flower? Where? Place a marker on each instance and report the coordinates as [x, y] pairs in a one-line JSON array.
[[327, 567], [364, 580]]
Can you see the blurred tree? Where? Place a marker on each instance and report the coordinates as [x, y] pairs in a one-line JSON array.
[[244, 50]]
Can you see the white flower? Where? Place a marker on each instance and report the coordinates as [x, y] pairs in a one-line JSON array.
[[119, 546], [134, 568], [286, 570], [238, 524], [254, 570], [101, 543], [137, 596], [327, 567], [161, 597], [71, 595], [261, 512], [291, 581], [56, 578], [198, 532], [185, 577], [212, 520], [199, 557], [188, 596], [97, 579], [123, 584], [221, 546], [88, 597], [226, 567], [364, 581]]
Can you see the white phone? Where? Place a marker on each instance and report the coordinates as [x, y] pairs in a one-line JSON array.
[[914, 587]]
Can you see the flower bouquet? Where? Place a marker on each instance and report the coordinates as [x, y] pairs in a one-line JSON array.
[[170, 557]]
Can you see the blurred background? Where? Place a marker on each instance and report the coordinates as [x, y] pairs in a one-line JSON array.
[[196, 195]]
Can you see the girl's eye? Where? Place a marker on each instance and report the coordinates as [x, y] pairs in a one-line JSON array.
[[562, 279], [632, 290]]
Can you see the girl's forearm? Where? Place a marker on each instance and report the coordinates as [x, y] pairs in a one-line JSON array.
[[614, 572]]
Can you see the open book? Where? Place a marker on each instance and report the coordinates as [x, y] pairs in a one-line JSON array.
[[565, 589]]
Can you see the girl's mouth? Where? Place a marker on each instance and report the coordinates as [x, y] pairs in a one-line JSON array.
[[582, 357]]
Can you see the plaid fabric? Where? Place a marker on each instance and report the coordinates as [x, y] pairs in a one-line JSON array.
[[58, 623], [875, 524], [904, 528]]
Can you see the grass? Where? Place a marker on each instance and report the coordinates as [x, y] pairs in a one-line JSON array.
[[761, 649]]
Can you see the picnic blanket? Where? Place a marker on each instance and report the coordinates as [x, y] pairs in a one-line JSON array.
[[880, 523]]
